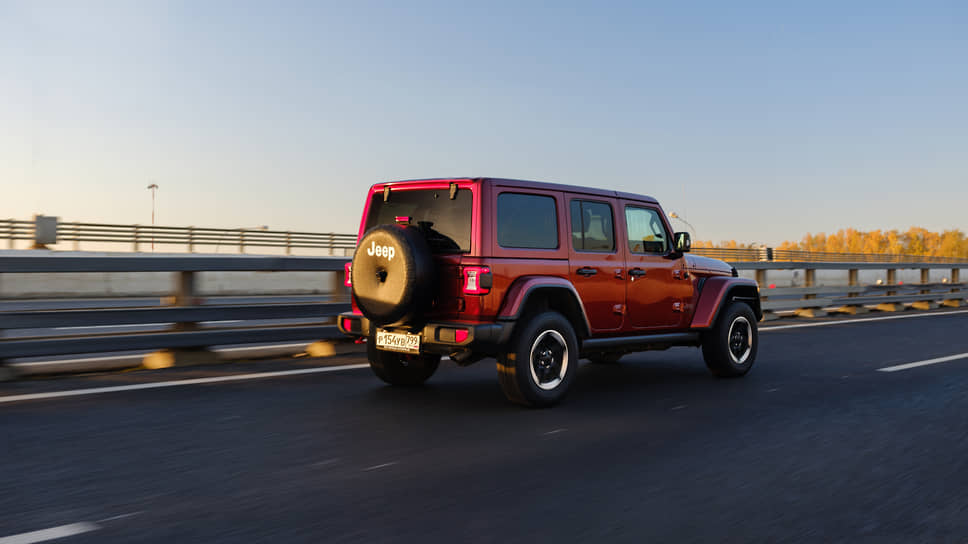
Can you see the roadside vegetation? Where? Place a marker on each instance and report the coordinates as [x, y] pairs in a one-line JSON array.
[[914, 241]]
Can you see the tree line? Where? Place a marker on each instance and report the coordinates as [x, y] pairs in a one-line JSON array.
[[914, 241]]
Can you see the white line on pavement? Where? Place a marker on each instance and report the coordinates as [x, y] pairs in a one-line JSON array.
[[50, 534], [143, 353], [176, 383], [376, 467], [926, 362], [859, 320]]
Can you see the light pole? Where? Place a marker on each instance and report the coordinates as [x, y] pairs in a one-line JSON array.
[[153, 187], [674, 215]]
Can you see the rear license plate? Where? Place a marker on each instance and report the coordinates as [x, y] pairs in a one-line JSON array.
[[397, 341]]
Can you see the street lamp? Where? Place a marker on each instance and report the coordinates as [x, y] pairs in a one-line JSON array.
[[674, 215], [153, 187]]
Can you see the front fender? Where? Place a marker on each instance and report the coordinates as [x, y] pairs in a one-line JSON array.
[[719, 291]]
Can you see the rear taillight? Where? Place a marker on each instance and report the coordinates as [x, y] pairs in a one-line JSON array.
[[347, 279], [477, 280]]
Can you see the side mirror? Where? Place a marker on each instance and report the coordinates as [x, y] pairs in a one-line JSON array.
[[683, 242]]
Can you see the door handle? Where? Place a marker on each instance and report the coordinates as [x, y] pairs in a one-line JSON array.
[[586, 271], [636, 273]]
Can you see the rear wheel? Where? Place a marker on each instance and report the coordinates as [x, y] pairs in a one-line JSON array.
[[729, 348], [400, 368], [542, 362]]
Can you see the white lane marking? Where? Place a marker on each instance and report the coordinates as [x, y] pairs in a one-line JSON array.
[[680, 407], [128, 325], [375, 467], [556, 431], [43, 535], [926, 362], [270, 346], [142, 354], [177, 383], [859, 320], [85, 359], [121, 516]]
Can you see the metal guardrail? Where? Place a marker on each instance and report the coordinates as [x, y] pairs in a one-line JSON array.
[[14, 229], [45, 230], [768, 254], [187, 318]]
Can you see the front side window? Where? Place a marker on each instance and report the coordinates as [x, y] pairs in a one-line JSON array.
[[591, 226], [647, 234], [527, 221]]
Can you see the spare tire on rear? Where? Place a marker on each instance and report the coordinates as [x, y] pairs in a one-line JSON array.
[[393, 275]]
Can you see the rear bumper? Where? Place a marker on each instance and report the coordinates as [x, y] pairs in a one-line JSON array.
[[482, 338]]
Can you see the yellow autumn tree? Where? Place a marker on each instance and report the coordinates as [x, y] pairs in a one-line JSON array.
[[919, 241]]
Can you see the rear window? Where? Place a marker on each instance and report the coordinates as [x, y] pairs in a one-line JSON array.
[[445, 222], [527, 221]]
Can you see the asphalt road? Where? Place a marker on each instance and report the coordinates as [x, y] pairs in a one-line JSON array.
[[815, 444]]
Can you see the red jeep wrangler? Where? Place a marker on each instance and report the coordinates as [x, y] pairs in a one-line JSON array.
[[535, 275]]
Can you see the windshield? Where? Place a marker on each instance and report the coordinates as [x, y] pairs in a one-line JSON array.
[[446, 223]]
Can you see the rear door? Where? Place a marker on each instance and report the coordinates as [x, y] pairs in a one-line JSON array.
[[597, 261], [657, 290]]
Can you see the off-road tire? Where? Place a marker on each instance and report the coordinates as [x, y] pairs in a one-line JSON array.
[[399, 368], [395, 289], [542, 361], [729, 347]]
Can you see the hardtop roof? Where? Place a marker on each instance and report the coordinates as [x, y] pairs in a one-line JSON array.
[[525, 184]]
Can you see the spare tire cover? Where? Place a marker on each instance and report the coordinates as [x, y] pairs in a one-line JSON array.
[[393, 274]]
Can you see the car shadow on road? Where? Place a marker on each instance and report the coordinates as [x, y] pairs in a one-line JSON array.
[[476, 388]]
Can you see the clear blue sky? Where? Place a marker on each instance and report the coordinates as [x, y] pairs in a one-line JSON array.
[[755, 121]]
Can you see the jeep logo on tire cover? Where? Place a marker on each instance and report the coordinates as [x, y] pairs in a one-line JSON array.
[[381, 251]]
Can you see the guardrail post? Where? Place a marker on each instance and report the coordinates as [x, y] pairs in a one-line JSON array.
[[809, 280], [137, 237], [45, 231], [955, 301], [923, 304], [288, 243], [191, 239], [852, 281], [891, 280], [761, 277], [241, 240]]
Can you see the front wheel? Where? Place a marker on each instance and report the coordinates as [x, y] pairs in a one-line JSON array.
[[399, 368], [729, 348], [542, 362]]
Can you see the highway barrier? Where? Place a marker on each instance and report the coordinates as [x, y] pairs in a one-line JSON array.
[[189, 323], [45, 231]]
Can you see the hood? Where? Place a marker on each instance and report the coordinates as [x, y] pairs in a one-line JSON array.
[[705, 264]]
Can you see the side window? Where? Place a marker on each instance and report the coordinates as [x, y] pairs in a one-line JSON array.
[[591, 226], [527, 221], [646, 231]]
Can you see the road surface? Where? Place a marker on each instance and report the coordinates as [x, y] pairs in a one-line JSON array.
[[816, 444]]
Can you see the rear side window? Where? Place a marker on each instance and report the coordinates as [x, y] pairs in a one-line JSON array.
[[446, 223], [591, 226], [646, 231], [527, 221]]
